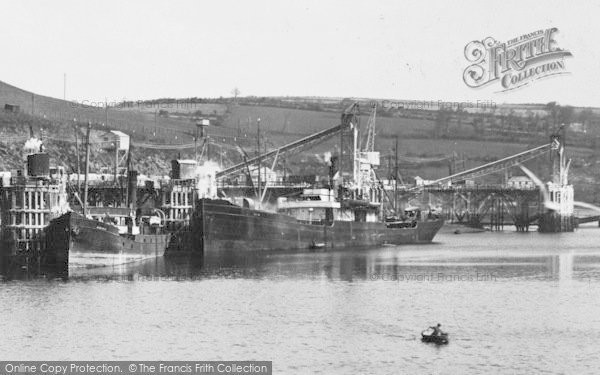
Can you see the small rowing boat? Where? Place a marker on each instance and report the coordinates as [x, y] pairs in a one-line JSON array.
[[436, 339]]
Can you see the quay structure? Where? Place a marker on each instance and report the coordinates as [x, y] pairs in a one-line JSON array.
[[30, 198], [549, 205], [559, 198]]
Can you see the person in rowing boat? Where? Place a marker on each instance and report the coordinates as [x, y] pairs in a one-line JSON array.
[[437, 331]]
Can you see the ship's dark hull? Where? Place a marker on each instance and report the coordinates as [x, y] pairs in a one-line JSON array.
[[77, 241], [224, 227]]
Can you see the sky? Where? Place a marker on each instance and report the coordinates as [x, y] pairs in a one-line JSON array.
[[131, 50]]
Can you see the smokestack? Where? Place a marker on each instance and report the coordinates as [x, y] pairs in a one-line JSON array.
[[132, 188]]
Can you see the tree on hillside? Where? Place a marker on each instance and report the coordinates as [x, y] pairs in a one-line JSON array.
[[235, 92], [459, 118], [566, 114], [442, 122], [559, 114], [478, 124], [585, 116]]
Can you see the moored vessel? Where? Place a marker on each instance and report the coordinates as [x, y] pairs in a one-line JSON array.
[[225, 226], [347, 212], [107, 237]]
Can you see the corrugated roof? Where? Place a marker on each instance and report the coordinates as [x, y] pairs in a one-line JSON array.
[[119, 133]]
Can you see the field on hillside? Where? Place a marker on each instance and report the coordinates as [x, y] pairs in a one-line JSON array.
[[179, 106], [304, 122]]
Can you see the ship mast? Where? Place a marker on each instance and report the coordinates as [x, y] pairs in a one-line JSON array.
[[129, 187], [259, 164], [348, 148], [396, 177], [87, 168], [76, 129]]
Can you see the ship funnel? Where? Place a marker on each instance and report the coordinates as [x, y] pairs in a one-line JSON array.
[[132, 188], [183, 169], [38, 165]]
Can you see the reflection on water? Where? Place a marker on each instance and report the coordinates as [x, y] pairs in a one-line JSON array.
[[427, 263], [459, 258], [511, 301]]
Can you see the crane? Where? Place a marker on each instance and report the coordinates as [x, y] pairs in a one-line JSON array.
[[293, 146], [369, 145]]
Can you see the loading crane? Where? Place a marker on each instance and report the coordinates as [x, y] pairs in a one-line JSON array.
[[293, 146], [369, 145], [494, 166]]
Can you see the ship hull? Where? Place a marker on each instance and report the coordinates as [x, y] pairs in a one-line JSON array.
[[76, 241], [227, 227]]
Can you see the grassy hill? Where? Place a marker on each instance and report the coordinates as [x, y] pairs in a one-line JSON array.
[[136, 119]]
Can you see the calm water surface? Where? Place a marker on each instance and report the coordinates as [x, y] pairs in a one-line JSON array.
[[512, 302]]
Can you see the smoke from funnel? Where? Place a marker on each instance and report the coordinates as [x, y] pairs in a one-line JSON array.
[[206, 180], [32, 146], [327, 157]]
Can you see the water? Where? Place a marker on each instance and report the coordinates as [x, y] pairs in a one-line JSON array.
[[512, 303]]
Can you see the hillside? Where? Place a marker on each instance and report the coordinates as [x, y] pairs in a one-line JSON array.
[[145, 123], [233, 124]]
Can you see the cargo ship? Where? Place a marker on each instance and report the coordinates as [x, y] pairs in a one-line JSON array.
[[348, 212], [102, 235], [105, 237], [225, 226]]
